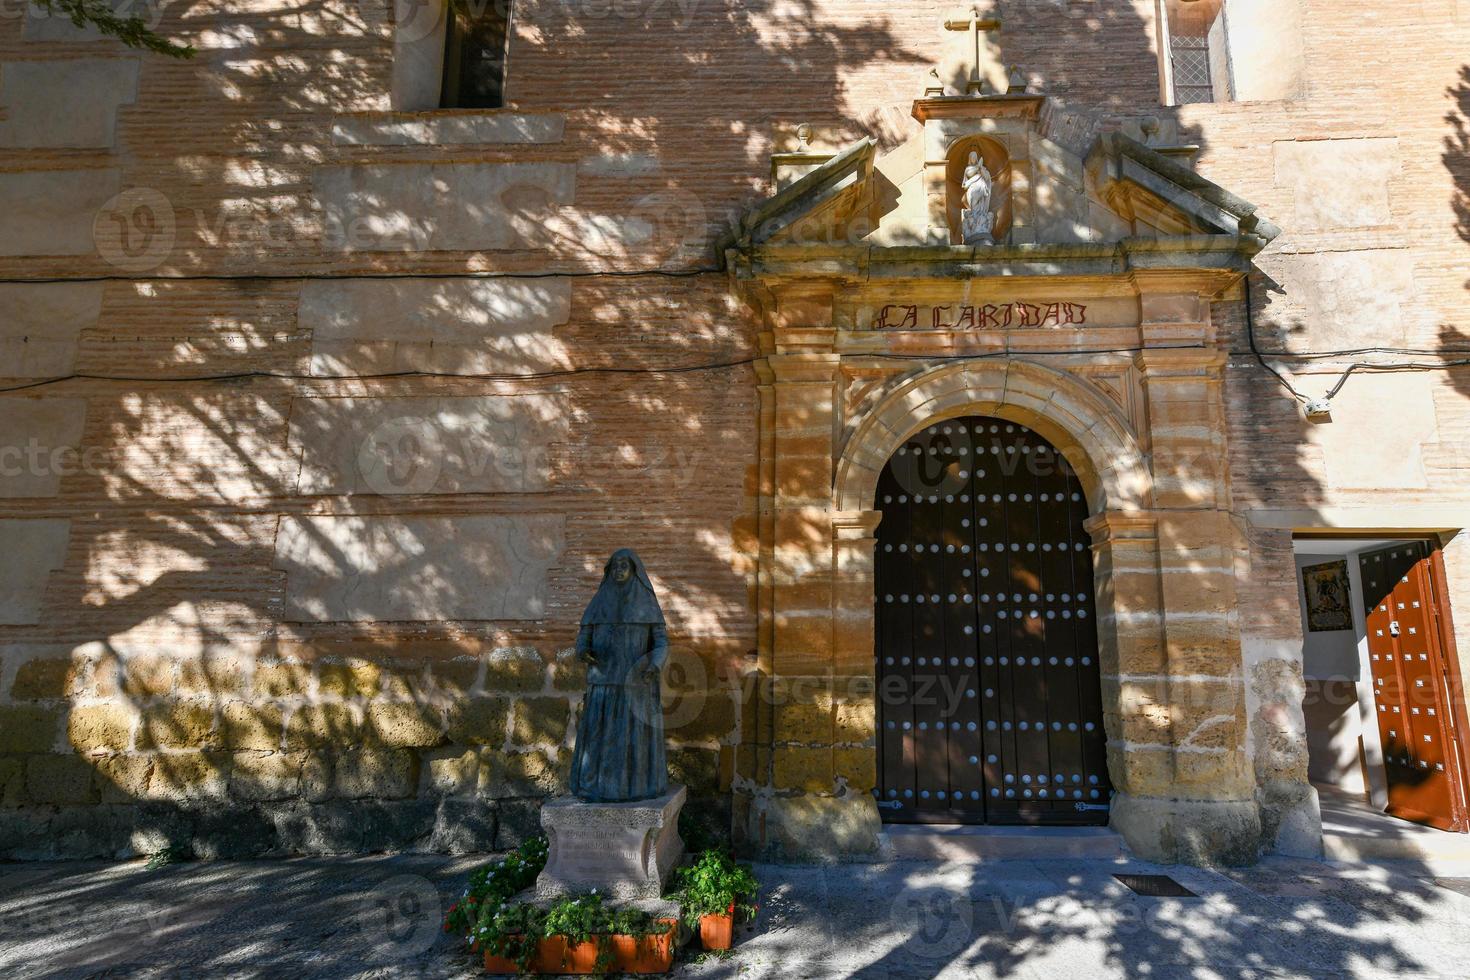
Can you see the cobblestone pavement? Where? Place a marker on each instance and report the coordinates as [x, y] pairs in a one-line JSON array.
[[379, 917]]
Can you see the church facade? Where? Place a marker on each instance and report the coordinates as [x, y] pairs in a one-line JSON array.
[[1028, 413]]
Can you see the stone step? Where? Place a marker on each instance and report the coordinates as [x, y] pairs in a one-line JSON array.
[[945, 842], [1352, 831]]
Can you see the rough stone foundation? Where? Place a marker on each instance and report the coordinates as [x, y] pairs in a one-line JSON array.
[[106, 757]]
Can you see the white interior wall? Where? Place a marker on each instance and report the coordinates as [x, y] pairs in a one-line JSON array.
[[1330, 655], [1342, 732]]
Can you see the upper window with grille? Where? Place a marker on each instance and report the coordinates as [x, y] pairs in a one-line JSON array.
[[1195, 37], [476, 42]]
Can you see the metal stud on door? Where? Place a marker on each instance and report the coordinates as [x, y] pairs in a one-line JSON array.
[[990, 705]]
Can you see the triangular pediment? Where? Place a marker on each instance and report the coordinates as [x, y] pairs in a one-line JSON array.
[[1121, 191], [818, 204], [1160, 195]]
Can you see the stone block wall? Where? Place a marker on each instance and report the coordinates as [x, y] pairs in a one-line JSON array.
[[103, 756]]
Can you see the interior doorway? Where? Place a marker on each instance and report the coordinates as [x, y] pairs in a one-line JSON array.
[[1384, 705], [990, 702]]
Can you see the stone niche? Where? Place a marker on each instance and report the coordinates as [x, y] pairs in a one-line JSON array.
[[1001, 129], [998, 162]]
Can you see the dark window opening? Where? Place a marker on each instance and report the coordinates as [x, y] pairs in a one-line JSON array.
[[476, 41]]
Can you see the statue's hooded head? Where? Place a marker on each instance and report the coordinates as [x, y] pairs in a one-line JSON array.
[[625, 595]]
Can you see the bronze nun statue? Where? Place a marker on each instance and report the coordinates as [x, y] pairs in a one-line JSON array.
[[620, 736]]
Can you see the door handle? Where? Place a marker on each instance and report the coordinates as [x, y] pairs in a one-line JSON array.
[[890, 805]]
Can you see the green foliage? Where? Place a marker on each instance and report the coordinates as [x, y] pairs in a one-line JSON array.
[[492, 885], [713, 884], [514, 930], [131, 30], [172, 854], [485, 916]]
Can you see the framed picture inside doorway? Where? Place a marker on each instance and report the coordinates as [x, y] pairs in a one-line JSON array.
[[1326, 587]]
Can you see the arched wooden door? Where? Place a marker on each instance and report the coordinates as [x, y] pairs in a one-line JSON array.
[[989, 697]]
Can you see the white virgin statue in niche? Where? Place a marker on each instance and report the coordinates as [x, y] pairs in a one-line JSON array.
[[976, 219]]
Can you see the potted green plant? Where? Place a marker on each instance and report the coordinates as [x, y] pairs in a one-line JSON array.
[[576, 935], [712, 891], [492, 885]]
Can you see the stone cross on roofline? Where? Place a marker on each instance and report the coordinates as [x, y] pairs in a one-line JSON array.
[[974, 21]]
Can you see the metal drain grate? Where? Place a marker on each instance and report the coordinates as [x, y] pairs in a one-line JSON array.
[[1156, 886]]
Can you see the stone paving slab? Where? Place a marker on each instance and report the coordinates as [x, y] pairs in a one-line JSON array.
[[1070, 919]]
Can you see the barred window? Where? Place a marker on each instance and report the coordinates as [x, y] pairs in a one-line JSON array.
[[476, 41], [1196, 48]]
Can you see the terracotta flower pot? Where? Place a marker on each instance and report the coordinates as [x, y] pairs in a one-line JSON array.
[[717, 931], [630, 954]]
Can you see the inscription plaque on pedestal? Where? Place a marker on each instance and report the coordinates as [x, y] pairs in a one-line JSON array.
[[624, 850]]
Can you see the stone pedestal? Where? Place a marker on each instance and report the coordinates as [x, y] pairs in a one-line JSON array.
[[624, 850]]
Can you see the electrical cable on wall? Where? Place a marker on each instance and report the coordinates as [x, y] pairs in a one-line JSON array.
[[1321, 408], [1314, 406], [693, 368]]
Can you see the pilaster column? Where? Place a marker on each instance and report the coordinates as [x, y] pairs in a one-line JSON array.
[[854, 536], [812, 719], [1172, 679], [936, 200], [1173, 705], [802, 445], [1173, 318]]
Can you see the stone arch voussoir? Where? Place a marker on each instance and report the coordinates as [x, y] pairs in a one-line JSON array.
[[1076, 418]]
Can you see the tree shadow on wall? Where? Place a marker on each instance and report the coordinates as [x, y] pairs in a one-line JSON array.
[[182, 655], [1455, 338]]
